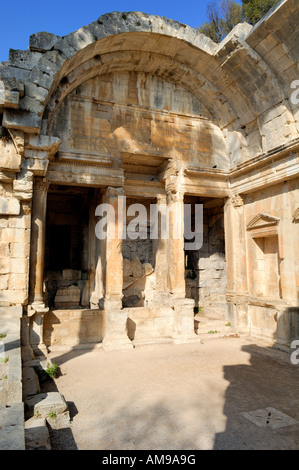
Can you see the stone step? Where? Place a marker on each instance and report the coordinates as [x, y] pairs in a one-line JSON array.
[[211, 327], [37, 434], [31, 384], [50, 406]]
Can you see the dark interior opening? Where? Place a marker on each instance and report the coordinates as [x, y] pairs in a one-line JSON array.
[[67, 242]]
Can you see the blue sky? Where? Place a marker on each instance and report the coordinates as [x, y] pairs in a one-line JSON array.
[[20, 19]]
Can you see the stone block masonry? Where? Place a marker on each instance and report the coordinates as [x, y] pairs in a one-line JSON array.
[[145, 107]]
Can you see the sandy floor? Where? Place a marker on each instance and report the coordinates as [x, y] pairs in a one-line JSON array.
[[175, 397], [3, 370]]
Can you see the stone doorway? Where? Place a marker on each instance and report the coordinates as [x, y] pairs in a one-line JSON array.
[[67, 247], [205, 269], [138, 256]]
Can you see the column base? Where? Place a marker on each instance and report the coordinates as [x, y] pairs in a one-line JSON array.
[[183, 330], [36, 312], [112, 304], [116, 337]]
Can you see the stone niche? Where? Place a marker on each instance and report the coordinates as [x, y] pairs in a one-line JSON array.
[[138, 259], [66, 253], [205, 274], [264, 262]]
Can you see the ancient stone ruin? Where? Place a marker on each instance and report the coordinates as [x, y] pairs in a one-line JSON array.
[[147, 108]]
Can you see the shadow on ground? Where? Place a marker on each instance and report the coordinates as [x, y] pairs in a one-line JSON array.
[[193, 403], [270, 381]]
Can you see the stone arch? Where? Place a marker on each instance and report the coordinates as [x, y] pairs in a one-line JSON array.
[[235, 80]]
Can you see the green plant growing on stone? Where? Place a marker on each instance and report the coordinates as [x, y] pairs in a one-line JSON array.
[[2, 336], [4, 377], [197, 309], [52, 370], [4, 361], [212, 332], [228, 324], [52, 415]]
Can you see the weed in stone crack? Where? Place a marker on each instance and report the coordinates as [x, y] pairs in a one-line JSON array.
[[52, 370]]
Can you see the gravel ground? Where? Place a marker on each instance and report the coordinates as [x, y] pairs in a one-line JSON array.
[[177, 397]]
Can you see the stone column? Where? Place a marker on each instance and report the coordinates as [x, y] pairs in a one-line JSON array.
[[95, 255], [235, 250], [183, 330], [115, 318], [176, 253], [160, 248], [38, 233], [37, 307], [113, 257]]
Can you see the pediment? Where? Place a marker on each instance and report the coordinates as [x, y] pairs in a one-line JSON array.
[[263, 220], [296, 215]]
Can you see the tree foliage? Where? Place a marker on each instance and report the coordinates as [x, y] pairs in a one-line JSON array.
[[254, 10], [224, 15]]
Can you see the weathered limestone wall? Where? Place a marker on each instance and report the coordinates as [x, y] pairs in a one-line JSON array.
[[255, 62], [142, 247], [206, 278], [138, 113], [66, 246], [281, 201], [73, 327], [139, 278], [146, 105], [270, 309], [15, 212], [212, 264], [86, 328]]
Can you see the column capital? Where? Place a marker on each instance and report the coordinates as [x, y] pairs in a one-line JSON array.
[[236, 200], [41, 184], [161, 198], [114, 192], [174, 194]]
